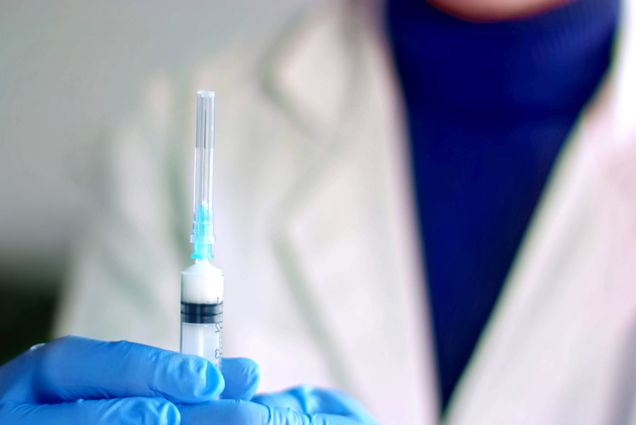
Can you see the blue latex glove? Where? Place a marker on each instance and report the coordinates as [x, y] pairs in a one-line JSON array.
[[297, 406], [80, 381]]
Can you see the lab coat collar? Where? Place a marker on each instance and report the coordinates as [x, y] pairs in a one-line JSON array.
[[321, 42]]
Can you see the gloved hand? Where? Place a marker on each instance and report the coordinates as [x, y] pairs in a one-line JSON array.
[[81, 381], [297, 406]]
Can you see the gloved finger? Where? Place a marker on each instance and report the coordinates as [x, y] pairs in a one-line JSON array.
[[241, 412], [75, 368], [312, 401], [280, 400], [241, 376], [123, 411]]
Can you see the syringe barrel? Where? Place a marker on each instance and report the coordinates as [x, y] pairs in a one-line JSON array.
[[202, 311]]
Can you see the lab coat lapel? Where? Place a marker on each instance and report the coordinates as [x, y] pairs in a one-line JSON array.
[[345, 236], [551, 353]]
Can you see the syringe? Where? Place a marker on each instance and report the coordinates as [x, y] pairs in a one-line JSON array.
[[202, 283]]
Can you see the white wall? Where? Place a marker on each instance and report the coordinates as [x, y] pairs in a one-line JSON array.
[[70, 72]]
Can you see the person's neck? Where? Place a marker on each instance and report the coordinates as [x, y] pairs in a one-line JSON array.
[[528, 69]]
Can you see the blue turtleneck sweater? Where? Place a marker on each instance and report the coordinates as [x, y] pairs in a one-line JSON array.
[[490, 106]]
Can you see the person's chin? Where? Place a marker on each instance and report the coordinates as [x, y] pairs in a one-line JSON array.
[[495, 10]]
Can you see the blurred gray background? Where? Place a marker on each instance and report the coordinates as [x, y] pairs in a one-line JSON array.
[[70, 72]]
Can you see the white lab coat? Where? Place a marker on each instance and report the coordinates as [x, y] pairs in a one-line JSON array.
[[316, 235]]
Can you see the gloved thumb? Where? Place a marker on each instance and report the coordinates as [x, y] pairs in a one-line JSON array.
[[241, 376]]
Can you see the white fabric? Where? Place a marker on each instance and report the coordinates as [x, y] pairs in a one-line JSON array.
[[316, 236]]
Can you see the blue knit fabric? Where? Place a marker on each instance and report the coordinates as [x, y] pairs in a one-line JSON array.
[[489, 108]]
